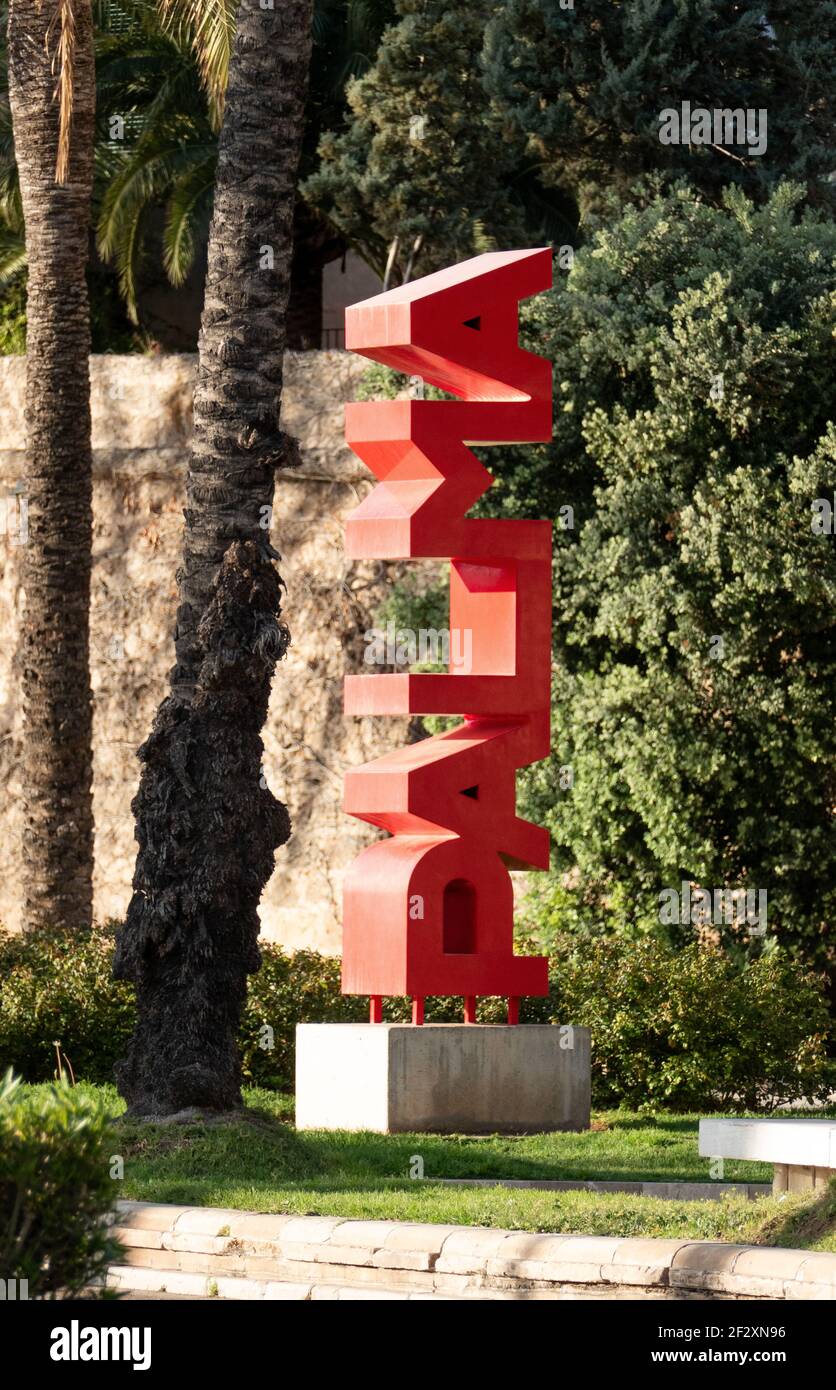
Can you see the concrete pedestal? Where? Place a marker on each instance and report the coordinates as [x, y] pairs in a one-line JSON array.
[[445, 1078]]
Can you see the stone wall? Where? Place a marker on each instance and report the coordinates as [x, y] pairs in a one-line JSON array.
[[141, 423]]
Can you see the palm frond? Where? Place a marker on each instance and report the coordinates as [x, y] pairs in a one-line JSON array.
[[11, 208], [210, 28], [126, 201], [127, 265], [190, 195], [161, 171], [12, 255], [63, 70]]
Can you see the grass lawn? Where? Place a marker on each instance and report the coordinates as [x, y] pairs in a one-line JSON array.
[[260, 1163]]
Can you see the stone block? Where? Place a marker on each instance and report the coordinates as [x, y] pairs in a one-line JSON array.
[[309, 1230], [468, 1251], [393, 1078], [646, 1250], [415, 1237], [794, 1289], [365, 1233], [404, 1259], [818, 1266], [800, 1177], [254, 1227], [196, 1244], [707, 1256], [205, 1221], [137, 1238], [330, 1254], [345, 1293], [149, 1216], [286, 1292], [769, 1262]]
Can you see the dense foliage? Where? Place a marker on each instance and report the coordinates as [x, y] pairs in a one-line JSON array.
[[582, 86], [56, 1189], [691, 1028], [694, 601], [687, 1029], [505, 123], [411, 175]]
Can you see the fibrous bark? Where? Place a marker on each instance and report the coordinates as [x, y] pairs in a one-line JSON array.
[[46, 38], [207, 825], [237, 442]]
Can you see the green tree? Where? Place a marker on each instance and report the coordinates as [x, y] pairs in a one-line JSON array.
[[582, 88], [423, 176], [695, 573], [158, 107], [161, 73]]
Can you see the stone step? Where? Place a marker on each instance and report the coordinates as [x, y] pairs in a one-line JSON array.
[[208, 1251], [167, 1284]]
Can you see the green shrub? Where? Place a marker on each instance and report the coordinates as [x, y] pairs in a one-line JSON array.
[[55, 1188], [695, 1029], [290, 988], [695, 400], [55, 987]]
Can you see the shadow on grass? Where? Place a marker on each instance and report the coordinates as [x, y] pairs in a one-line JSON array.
[[803, 1223], [235, 1147], [259, 1147]]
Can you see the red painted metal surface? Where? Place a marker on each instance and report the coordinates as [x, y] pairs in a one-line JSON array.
[[429, 910]]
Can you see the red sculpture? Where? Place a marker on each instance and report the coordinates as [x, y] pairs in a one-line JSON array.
[[430, 910]]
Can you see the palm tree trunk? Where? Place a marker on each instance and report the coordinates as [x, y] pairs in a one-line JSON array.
[[50, 45], [207, 825]]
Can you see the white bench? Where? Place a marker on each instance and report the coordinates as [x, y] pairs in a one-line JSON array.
[[803, 1151]]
